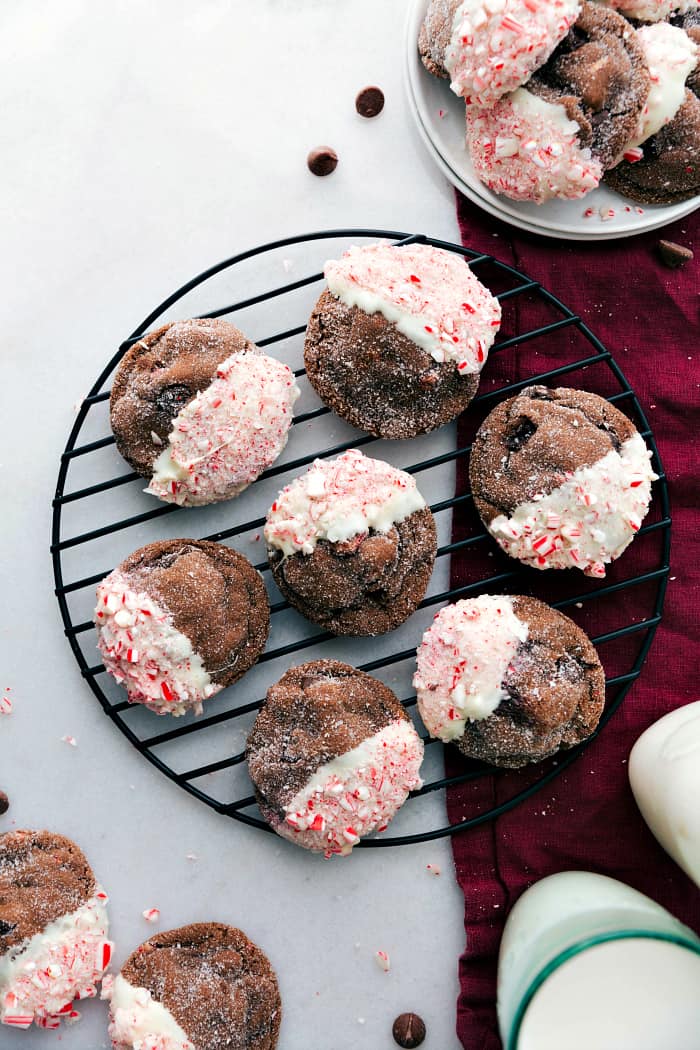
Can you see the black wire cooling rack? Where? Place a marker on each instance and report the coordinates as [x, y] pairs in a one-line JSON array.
[[100, 514]]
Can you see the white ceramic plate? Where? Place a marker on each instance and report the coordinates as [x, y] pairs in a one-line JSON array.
[[444, 135]]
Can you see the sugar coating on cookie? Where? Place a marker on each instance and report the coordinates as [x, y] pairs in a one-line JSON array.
[[356, 793], [430, 294], [529, 150], [144, 651], [338, 499], [497, 44], [671, 56], [462, 661], [652, 10], [586, 522], [228, 434], [139, 1020]]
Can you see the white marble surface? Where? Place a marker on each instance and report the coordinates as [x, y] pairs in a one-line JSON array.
[[142, 142]]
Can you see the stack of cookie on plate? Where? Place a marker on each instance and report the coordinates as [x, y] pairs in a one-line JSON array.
[[561, 94], [395, 345]]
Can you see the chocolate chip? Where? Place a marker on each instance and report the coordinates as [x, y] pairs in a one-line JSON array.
[[4, 802], [408, 1030], [674, 255], [369, 101], [5, 928], [521, 435], [171, 399], [322, 161]]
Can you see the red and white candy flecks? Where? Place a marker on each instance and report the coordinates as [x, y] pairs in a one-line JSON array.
[[145, 653], [357, 793], [338, 499], [229, 434], [497, 44], [586, 522], [140, 1022], [671, 56], [528, 150], [40, 978], [430, 294], [652, 10], [462, 661]]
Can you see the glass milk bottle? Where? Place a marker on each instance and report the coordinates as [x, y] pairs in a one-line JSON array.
[[587, 963]]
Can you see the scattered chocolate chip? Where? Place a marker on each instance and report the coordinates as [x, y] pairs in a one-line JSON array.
[[6, 927], [369, 101], [4, 802], [408, 1030], [322, 161], [674, 255]]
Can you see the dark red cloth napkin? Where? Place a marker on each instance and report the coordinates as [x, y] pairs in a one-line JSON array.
[[648, 316]]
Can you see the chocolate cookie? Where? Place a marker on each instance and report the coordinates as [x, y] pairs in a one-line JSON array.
[[669, 169], [486, 49], [179, 620], [351, 544], [690, 22], [599, 72], [332, 755], [53, 926], [533, 145], [561, 479], [198, 409], [396, 344], [508, 680], [200, 987]]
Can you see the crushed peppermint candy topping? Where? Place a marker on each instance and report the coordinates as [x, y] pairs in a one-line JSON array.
[[70, 740], [462, 661], [433, 869], [496, 45], [6, 705], [382, 960], [140, 1022], [145, 653], [430, 294], [338, 499], [40, 978], [528, 150], [151, 914], [586, 522], [652, 10], [671, 56], [228, 434], [356, 793]]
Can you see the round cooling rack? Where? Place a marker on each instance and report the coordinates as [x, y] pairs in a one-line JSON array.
[[101, 514]]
